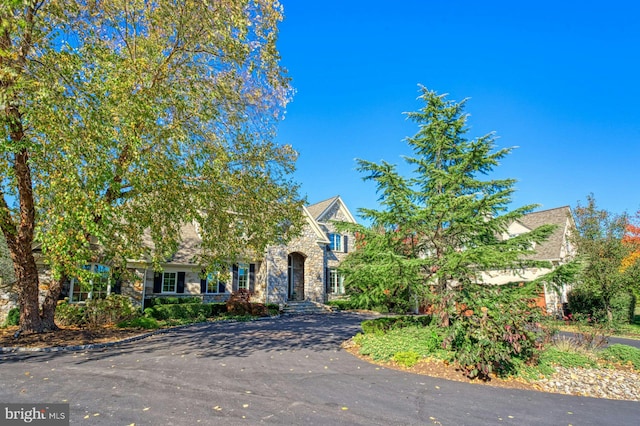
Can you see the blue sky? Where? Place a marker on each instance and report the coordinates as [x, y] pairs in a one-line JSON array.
[[560, 80]]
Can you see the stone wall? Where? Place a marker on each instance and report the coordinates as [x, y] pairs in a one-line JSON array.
[[276, 268], [8, 300], [334, 258]]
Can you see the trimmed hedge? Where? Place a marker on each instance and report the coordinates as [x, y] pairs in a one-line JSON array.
[[172, 300], [380, 326], [146, 323], [186, 311]]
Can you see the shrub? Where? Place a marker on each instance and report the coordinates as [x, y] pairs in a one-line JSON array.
[[259, 310], [340, 304], [172, 300], [494, 330], [95, 312], [273, 309], [143, 322], [180, 311], [424, 341], [586, 302], [382, 309], [13, 317], [408, 359], [239, 303], [623, 354], [218, 308], [380, 326], [112, 309], [69, 314]]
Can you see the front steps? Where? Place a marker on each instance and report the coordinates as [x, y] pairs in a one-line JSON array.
[[305, 307]]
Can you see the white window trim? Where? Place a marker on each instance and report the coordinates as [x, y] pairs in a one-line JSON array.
[[336, 238], [175, 283], [74, 281], [336, 282], [216, 279], [243, 266]]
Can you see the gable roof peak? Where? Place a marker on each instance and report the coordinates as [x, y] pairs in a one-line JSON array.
[[318, 210]]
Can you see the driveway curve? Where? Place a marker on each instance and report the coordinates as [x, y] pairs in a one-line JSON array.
[[285, 371]]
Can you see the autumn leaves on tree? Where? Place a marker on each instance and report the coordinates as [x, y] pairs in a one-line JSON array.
[[120, 118]]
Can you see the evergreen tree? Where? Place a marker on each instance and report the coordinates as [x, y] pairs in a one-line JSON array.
[[439, 228]]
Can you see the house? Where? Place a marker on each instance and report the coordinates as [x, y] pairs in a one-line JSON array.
[[303, 269], [556, 250]]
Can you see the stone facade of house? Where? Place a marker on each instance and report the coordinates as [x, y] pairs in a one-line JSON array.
[[299, 270]]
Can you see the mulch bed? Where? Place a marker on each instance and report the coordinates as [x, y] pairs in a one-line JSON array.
[[68, 336]]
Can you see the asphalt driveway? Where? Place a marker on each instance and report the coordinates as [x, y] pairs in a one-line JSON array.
[[285, 371]]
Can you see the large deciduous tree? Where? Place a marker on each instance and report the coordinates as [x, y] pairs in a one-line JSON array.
[[126, 117], [441, 227], [606, 243]]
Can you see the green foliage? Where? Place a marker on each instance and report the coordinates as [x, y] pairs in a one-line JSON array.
[[144, 322], [408, 359], [442, 225], [128, 135], [493, 330], [601, 251], [13, 317], [424, 341], [180, 311], [380, 326], [96, 312], [218, 308], [70, 314], [376, 276], [569, 358], [273, 309], [172, 300], [7, 274], [341, 304], [184, 310], [112, 309], [585, 301], [623, 354]]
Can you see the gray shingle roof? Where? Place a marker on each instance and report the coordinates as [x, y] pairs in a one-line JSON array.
[[188, 248], [318, 208], [552, 248]]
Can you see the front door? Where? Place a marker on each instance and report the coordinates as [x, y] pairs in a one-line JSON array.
[[296, 276]]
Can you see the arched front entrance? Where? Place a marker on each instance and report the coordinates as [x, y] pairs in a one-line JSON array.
[[295, 276]]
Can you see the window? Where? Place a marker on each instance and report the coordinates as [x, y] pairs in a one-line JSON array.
[[169, 282], [335, 242], [243, 276], [96, 286], [214, 284], [336, 282]]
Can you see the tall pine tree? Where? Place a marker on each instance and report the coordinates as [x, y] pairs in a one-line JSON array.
[[440, 228]]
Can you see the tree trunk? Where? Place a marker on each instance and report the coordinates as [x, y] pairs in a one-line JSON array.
[[27, 287], [18, 230], [609, 313], [50, 303]]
